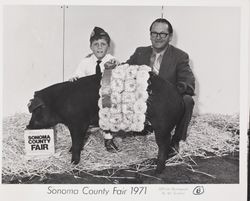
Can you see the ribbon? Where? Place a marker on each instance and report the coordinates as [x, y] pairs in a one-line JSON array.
[[106, 95]]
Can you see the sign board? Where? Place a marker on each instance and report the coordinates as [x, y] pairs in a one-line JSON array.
[[39, 142]]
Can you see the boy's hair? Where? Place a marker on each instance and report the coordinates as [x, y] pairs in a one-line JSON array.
[[99, 33]]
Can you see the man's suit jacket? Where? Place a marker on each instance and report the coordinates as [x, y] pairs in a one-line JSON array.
[[174, 66]]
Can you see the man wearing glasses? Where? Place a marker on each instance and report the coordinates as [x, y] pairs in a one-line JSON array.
[[171, 64]]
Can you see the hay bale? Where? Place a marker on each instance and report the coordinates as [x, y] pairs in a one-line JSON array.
[[207, 134]]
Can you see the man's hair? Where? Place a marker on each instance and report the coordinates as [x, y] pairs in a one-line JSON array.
[[163, 20]]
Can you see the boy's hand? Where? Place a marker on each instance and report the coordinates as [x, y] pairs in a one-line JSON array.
[[73, 79], [111, 64]]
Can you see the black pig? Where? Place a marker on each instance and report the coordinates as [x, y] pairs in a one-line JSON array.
[[75, 104]]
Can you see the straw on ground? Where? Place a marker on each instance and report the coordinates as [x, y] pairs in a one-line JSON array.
[[208, 135]]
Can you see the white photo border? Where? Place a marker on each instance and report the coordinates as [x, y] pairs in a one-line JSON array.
[[214, 192]]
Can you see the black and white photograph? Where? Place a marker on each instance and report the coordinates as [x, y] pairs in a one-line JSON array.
[[125, 101]]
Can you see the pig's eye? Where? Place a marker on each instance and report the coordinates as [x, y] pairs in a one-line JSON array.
[[39, 108], [36, 110]]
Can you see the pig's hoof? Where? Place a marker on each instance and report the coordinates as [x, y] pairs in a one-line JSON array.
[[172, 153], [157, 171], [150, 161], [159, 168], [75, 162]]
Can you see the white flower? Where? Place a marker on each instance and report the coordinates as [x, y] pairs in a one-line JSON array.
[[140, 107], [127, 108], [116, 108], [115, 118], [125, 127], [139, 118], [116, 97], [144, 68], [131, 72], [137, 127], [142, 76], [141, 95], [122, 67], [128, 97], [134, 67], [141, 86], [118, 73], [104, 90], [104, 125], [100, 102], [117, 85], [104, 114], [130, 85], [128, 118], [114, 127]]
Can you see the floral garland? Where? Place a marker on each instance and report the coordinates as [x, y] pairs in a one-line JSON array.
[[128, 96]]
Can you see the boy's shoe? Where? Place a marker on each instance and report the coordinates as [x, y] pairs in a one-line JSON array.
[[110, 145]]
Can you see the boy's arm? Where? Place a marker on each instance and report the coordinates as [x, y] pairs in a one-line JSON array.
[[111, 64]]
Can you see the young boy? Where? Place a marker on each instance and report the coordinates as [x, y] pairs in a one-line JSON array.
[[94, 64], [99, 44]]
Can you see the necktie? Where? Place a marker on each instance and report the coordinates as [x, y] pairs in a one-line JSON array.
[[157, 63], [98, 68]]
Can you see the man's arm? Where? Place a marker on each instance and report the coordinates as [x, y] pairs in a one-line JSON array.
[[185, 76], [133, 58]]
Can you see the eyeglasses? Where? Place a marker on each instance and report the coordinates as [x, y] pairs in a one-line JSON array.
[[155, 34]]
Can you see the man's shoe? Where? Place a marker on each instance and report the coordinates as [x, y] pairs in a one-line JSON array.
[[110, 145]]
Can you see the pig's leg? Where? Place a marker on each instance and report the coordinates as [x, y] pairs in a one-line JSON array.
[[70, 150], [77, 137]]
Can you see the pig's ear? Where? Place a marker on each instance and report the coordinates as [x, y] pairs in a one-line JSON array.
[[35, 103]]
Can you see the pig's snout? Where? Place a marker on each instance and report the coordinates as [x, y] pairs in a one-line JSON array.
[[28, 127], [31, 125]]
